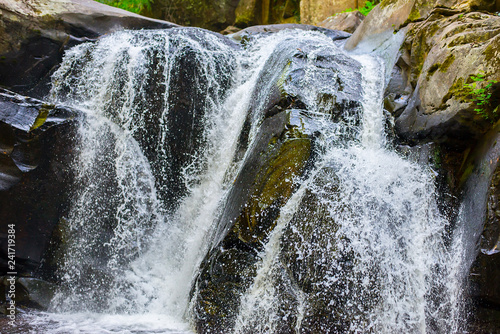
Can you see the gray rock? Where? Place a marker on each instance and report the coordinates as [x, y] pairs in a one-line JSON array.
[[446, 53], [347, 22], [34, 35]]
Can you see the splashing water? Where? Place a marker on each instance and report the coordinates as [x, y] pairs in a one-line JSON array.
[[368, 255], [360, 243]]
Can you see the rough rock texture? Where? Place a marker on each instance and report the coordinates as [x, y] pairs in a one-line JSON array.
[[347, 22], [479, 211], [487, 268], [36, 150], [34, 34], [315, 11], [391, 15], [282, 151], [445, 54]]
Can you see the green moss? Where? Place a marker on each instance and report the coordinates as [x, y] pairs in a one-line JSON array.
[[281, 81], [419, 46], [447, 62], [414, 15], [42, 117], [274, 184], [386, 3], [467, 172], [492, 55], [441, 67], [433, 70], [458, 90]]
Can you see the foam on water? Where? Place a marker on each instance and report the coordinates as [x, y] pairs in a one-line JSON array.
[[131, 251]]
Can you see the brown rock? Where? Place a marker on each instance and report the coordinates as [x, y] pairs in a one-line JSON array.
[[347, 22], [315, 11], [446, 53], [391, 15]]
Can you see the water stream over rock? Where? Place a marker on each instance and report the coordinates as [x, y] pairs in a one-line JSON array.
[[244, 188]]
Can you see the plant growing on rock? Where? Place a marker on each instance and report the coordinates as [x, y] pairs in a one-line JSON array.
[[135, 6], [481, 95], [369, 5]]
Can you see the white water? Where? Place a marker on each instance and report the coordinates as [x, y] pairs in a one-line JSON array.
[[404, 278], [385, 206]]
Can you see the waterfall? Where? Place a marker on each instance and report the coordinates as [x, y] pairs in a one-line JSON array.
[[168, 119], [379, 242]]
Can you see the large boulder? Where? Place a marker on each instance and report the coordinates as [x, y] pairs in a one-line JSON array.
[[34, 35], [452, 56], [257, 31], [392, 15], [283, 150], [172, 93], [37, 143]]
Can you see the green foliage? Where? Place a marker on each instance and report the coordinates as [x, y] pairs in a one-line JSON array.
[[134, 6], [348, 10], [481, 94], [369, 5]]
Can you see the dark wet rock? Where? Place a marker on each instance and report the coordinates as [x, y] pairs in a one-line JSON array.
[[28, 292], [479, 179], [282, 151], [36, 141], [200, 70], [313, 254], [485, 272], [34, 35], [266, 181]]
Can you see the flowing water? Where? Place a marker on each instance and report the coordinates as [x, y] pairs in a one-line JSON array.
[[147, 196]]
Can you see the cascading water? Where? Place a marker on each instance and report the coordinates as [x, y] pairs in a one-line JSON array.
[[371, 249], [359, 247]]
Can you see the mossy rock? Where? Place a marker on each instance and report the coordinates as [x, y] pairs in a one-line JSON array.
[[447, 53]]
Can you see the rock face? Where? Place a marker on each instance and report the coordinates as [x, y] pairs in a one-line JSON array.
[[315, 11], [391, 15], [170, 99], [347, 22], [447, 54], [479, 214], [282, 151], [36, 142], [34, 34]]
